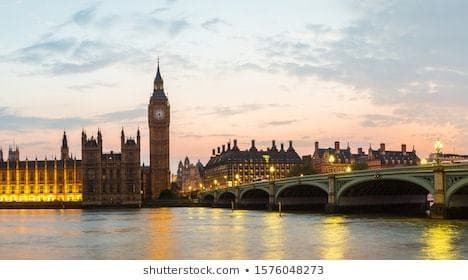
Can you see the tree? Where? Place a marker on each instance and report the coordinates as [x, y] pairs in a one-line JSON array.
[[301, 169], [360, 165], [167, 194]]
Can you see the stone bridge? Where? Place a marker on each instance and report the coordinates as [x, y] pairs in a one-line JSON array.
[[418, 188]]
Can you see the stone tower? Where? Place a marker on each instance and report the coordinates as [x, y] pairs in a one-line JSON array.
[[91, 150], [64, 151], [158, 120]]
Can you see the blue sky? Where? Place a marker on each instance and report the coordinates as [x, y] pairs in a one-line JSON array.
[[356, 71]]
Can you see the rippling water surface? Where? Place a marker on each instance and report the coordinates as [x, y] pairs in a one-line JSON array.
[[206, 233]]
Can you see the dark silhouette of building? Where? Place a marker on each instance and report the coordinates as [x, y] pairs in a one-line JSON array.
[[111, 178]]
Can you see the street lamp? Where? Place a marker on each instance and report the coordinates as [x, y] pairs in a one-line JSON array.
[[272, 172], [348, 168], [438, 149], [215, 183], [331, 160], [237, 179]]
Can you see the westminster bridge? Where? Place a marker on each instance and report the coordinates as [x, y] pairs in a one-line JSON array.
[[440, 189]]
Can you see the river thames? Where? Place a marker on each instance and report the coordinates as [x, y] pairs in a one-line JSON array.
[[206, 233]]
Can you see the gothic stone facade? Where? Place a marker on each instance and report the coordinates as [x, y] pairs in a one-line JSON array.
[[189, 176], [158, 122], [40, 180], [111, 178]]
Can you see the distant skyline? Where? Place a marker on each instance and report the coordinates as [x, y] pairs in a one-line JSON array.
[[351, 71]]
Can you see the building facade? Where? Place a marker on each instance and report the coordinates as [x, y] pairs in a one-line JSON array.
[[229, 166], [189, 176], [40, 180], [111, 178], [158, 122], [327, 160]]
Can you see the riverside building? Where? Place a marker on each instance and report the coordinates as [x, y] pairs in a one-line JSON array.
[[229, 166]]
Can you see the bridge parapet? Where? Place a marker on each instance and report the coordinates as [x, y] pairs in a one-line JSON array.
[[441, 181]]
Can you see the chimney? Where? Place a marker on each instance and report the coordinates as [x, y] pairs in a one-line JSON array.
[[382, 148], [235, 142], [273, 144], [229, 146], [224, 148], [214, 152], [282, 147], [316, 145], [403, 149], [359, 151], [337, 146], [219, 150], [290, 146], [253, 143]]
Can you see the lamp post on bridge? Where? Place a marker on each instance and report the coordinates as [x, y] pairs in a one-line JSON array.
[[438, 149], [438, 208], [331, 207]]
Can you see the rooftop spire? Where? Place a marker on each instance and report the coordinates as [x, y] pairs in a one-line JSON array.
[[158, 81], [64, 140]]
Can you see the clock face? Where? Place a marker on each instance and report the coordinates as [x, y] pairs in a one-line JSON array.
[[159, 114]]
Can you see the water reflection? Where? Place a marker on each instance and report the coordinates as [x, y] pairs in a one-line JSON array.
[[334, 236], [161, 242], [205, 233], [273, 237], [439, 241]]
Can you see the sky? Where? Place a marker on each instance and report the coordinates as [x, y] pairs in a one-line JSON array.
[[358, 72]]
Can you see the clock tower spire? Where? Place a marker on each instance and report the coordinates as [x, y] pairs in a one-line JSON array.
[[158, 122]]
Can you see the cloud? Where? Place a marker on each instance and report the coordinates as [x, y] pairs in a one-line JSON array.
[[199, 136], [77, 45], [159, 10], [403, 57], [223, 111], [177, 26], [280, 123], [123, 115], [84, 16], [70, 55], [91, 86], [13, 121], [214, 24], [386, 51], [380, 120]]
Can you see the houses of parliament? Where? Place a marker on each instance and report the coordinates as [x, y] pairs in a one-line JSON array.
[[99, 178]]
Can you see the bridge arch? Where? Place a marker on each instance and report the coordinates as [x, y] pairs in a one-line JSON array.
[[420, 182], [255, 198], [321, 186], [209, 197], [302, 195], [403, 194], [458, 189], [226, 195]]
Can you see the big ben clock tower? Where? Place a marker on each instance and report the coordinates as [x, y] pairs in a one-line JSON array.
[[158, 120]]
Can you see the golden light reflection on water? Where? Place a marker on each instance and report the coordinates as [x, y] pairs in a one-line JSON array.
[[438, 240], [160, 225], [237, 249], [273, 237], [334, 235]]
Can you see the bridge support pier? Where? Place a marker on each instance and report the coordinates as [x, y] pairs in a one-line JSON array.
[[331, 206], [271, 202], [438, 209]]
